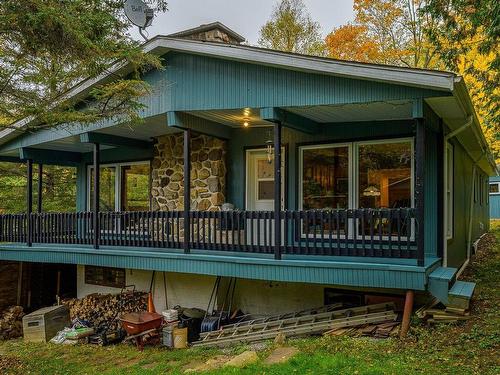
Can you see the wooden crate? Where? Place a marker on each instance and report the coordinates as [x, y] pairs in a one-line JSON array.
[[42, 325]]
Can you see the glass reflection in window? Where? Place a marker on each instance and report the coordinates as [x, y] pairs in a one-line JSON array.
[[325, 182]]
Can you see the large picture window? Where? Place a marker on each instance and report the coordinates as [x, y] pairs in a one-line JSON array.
[[325, 178], [385, 175], [123, 187], [377, 174]]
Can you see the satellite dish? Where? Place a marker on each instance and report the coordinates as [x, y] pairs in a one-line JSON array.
[[139, 14]]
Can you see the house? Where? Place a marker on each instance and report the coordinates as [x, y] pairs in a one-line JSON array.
[[494, 197], [298, 175]]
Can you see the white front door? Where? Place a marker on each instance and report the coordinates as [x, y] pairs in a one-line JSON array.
[[260, 181], [260, 194]]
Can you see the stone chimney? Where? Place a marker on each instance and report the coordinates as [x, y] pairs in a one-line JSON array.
[[212, 32]]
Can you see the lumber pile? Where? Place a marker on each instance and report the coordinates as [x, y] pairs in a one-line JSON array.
[[433, 314], [446, 315], [11, 323], [103, 309], [381, 330]]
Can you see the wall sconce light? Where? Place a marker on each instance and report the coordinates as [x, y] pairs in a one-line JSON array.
[[269, 148]]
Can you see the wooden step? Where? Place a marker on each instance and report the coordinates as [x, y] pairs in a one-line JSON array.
[[440, 282], [460, 294]]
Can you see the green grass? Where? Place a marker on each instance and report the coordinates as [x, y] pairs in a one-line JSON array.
[[472, 347]]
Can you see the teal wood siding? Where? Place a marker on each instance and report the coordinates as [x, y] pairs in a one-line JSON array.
[[201, 83], [431, 194], [463, 188], [494, 201], [332, 133], [432, 180], [191, 83], [374, 273]]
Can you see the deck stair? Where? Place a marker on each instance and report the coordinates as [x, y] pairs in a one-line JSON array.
[[452, 293]]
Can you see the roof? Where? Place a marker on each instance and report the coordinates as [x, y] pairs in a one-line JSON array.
[[208, 27], [444, 81]]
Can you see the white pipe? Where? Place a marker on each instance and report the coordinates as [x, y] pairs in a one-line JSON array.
[[471, 205], [471, 209], [466, 263], [462, 268], [447, 137], [459, 130]]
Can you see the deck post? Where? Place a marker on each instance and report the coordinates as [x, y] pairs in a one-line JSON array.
[[420, 188], [277, 190], [95, 203], [408, 309], [187, 188], [29, 201], [40, 188]]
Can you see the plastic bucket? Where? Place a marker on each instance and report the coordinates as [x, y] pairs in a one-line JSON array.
[[168, 336], [180, 338]]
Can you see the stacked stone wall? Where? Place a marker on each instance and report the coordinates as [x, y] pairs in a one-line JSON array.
[[208, 173]]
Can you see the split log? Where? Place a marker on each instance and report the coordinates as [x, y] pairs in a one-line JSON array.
[[102, 309], [11, 323]]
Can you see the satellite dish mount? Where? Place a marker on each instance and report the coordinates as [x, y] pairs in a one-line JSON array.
[[139, 14]]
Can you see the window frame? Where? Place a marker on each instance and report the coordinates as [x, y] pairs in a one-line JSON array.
[[494, 183], [118, 179], [104, 283], [353, 180]]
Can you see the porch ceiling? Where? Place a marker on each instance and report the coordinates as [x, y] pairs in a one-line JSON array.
[[151, 127], [394, 110]]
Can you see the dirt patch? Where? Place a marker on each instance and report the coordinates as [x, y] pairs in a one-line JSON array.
[[280, 355], [10, 365], [211, 364], [149, 366], [128, 362]]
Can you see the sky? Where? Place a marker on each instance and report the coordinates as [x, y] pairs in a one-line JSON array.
[[243, 16]]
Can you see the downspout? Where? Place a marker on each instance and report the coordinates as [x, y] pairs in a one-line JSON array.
[[469, 237], [447, 137]]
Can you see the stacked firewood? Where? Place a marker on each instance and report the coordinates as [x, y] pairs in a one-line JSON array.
[[11, 323], [101, 310]]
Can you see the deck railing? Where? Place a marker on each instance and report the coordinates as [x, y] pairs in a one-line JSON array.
[[353, 232]]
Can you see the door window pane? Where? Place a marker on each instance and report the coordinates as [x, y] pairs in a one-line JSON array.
[[385, 179], [135, 187], [266, 190], [107, 201]]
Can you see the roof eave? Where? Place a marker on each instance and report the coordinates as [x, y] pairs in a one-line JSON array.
[[462, 94]]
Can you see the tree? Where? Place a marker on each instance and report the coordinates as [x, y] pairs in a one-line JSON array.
[[468, 41], [433, 34], [352, 42], [47, 46], [58, 188], [291, 29], [387, 32]]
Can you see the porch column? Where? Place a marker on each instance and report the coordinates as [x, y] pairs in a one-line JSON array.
[[95, 203], [29, 201], [40, 182], [187, 188], [277, 190], [419, 188]]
